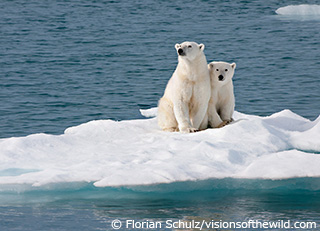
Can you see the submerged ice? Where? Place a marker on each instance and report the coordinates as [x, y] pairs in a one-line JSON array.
[[299, 10], [135, 152]]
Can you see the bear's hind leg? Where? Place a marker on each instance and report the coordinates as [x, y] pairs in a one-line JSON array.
[[166, 118]]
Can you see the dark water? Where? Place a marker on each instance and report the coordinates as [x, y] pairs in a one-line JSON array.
[[63, 63], [89, 208]]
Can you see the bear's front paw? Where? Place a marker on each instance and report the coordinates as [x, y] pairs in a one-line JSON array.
[[172, 129], [188, 130]]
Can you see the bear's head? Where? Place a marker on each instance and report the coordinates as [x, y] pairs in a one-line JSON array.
[[221, 72], [189, 50]]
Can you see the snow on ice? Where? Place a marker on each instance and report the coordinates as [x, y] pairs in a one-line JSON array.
[[135, 152]]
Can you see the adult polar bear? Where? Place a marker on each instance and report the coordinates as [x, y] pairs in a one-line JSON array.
[[184, 104]]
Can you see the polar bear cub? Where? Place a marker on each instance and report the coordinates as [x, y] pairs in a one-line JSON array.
[[184, 104], [222, 102]]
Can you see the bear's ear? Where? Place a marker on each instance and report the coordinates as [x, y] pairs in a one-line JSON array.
[[210, 66], [177, 46], [201, 46], [233, 65]]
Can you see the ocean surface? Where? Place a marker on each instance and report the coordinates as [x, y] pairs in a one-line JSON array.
[[64, 63]]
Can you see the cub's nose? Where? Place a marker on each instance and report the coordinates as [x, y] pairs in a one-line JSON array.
[[220, 77], [180, 51]]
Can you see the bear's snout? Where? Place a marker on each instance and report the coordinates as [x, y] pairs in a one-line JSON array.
[[180, 51], [220, 77]]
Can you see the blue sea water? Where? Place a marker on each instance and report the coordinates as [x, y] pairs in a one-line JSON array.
[[63, 63]]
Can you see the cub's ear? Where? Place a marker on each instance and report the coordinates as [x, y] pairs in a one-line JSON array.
[[210, 66], [177, 46], [233, 65], [201, 46]]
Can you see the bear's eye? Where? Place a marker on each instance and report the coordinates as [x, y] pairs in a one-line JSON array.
[[217, 69], [189, 46], [226, 70]]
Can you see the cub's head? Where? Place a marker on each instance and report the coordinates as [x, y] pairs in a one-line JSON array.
[[189, 50], [221, 72]]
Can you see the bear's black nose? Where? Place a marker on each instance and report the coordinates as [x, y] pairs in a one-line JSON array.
[[180, 51], [220, 77]]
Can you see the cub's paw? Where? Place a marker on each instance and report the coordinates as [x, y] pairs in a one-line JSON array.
[[224, 123]]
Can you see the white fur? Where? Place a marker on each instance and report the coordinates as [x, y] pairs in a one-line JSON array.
[[184, 104], [222, 102]]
